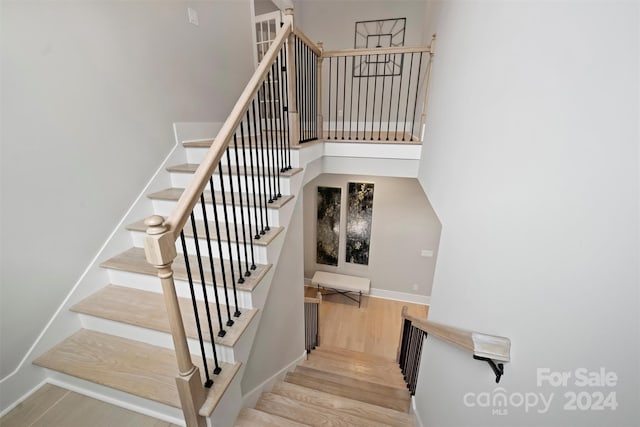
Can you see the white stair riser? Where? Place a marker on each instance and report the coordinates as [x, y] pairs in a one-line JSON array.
[[166, 207], [271, 157], [182, 180], [259, 252], [151, 283], [117, 397], [156, 338]]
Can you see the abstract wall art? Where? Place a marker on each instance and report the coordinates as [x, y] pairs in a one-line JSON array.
[[328, 226], [360, 212]]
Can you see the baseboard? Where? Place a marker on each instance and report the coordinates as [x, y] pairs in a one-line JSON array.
[[24, 397], [250, 399], [416, 414], [400, 296], [392, 295]]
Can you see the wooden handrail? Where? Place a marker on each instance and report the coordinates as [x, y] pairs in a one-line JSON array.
[[191, 194], [375, 51], [306, 40], [314, 300], [481, 345]]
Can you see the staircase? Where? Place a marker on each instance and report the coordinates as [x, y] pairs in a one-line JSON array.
[[125, 343], [335, 387]]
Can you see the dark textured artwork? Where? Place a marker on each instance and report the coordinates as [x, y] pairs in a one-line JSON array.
[[328, 232], [360, 211]]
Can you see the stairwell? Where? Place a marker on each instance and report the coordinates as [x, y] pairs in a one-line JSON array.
[[335, 387], [125, 342]]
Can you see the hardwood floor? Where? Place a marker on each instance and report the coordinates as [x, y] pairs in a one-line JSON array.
[[373, 328], [52, 406]]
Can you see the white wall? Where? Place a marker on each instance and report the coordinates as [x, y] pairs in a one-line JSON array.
[[531, 162], [280, 337], [403, 224], [89, 94]]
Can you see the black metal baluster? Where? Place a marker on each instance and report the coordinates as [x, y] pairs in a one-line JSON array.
[[274, 151], [299, 78], [330, 74], [366, 99], [344, 92], [373, 106], [403, 346], [286, 106], [260, 166], [393, 74], [221, 332], [255, 169], [280, 68], [415, 103], [406, 110], [351, 96], [265, 147], [219, 239], [233, 204], [384, 76], [359, 85], [204, 291], [209, 382], [395, 137], [226, 221], [414, 381], [335, 134], [248, 207]]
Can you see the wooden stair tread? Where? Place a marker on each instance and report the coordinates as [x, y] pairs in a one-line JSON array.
[[248, 140], [147, 310], [387, 374], [264, 239], [374, 394], [140, 369], [253, 418], [134, 260], [343, 404], [191, 168], [173, 194], [352, 354], [308, 413]]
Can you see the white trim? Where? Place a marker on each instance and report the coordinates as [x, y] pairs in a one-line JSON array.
[[118, 228], [116, 402], [416, 414], [400, 296], [22, 399], [250, 399], [392, 295]]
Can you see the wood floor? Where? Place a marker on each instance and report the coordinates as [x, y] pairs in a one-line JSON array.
[[52, 406], [374, 328]]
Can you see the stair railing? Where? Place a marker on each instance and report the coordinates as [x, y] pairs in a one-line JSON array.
[[377, 94], [312, 322], [494, 350], [225, 209]]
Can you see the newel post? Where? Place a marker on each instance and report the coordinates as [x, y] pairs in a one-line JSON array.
[[320, 118], [160, 250], [294, 124]]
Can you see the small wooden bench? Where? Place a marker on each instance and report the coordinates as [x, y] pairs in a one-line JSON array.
[[342, 284]]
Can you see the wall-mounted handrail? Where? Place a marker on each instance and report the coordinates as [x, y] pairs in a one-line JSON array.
[[493, 349], [479, 344]]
